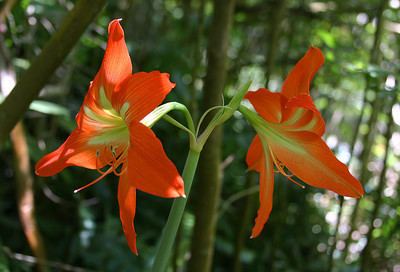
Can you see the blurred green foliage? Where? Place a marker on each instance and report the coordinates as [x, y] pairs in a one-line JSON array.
[[83, 230]]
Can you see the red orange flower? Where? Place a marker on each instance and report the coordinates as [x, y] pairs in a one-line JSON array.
[[109, 133], [289, 130]]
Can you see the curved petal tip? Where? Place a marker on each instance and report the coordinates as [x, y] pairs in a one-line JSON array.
[[317, 53], [115, 30]]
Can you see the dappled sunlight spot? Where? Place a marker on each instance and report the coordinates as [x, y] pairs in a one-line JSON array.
[[390, 82], [340, 245], [322, 247], [395, 4], [356, 247], [356, 235], [362, 18], [316, 229], [332, 141], [353, 248], [396, 116], [377, 223], [255, 73], [343, 153], [7, 82], [32, 21], [322, 6], [395, 140], [344, 228], [363, 229], [351, 257], [388, 192], [41, 144], [396, 166], [273, 84], [321, 200], [198, 84], [30, 10], [392, 179], [317, 197], [331, 217], [374, 166]]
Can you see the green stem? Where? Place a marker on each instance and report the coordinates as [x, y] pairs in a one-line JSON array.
[[175, 216], [172, 121]]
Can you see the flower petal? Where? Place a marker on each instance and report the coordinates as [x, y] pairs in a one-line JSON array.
[[127, 209], [74, 151], [299, 79], [267, 104], [308, 157], [300, 114], [116, 64], [255, 155], [141, 93], [266, 194], [149, 166]]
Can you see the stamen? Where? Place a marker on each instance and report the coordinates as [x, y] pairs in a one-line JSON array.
[[116, 161], [122, 171], [97, 163], [279, 165], [94, 181]]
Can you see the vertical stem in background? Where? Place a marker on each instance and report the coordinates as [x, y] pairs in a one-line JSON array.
[[209, 184], [197, 56], [332, 248], [171, 227], [246, 216], [367, 139], [195, 38], [275, 24], [365, 254], [25, 194]]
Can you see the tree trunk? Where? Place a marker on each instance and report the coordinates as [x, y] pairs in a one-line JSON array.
[[209, 179]]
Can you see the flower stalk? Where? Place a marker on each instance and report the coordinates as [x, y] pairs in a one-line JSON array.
[[166, 242], [175, 216], [223, 114]]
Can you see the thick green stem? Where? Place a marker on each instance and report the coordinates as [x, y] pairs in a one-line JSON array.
[[175, 216]]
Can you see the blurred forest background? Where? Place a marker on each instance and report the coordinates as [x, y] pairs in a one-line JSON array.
[[210, 48]]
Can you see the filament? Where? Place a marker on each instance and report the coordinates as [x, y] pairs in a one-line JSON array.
[[279, 165], [114, 163]]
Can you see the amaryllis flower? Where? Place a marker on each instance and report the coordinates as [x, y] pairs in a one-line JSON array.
[[110, 137], [289, 130]]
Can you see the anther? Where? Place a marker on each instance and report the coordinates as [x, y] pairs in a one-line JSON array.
[[279, 165]]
